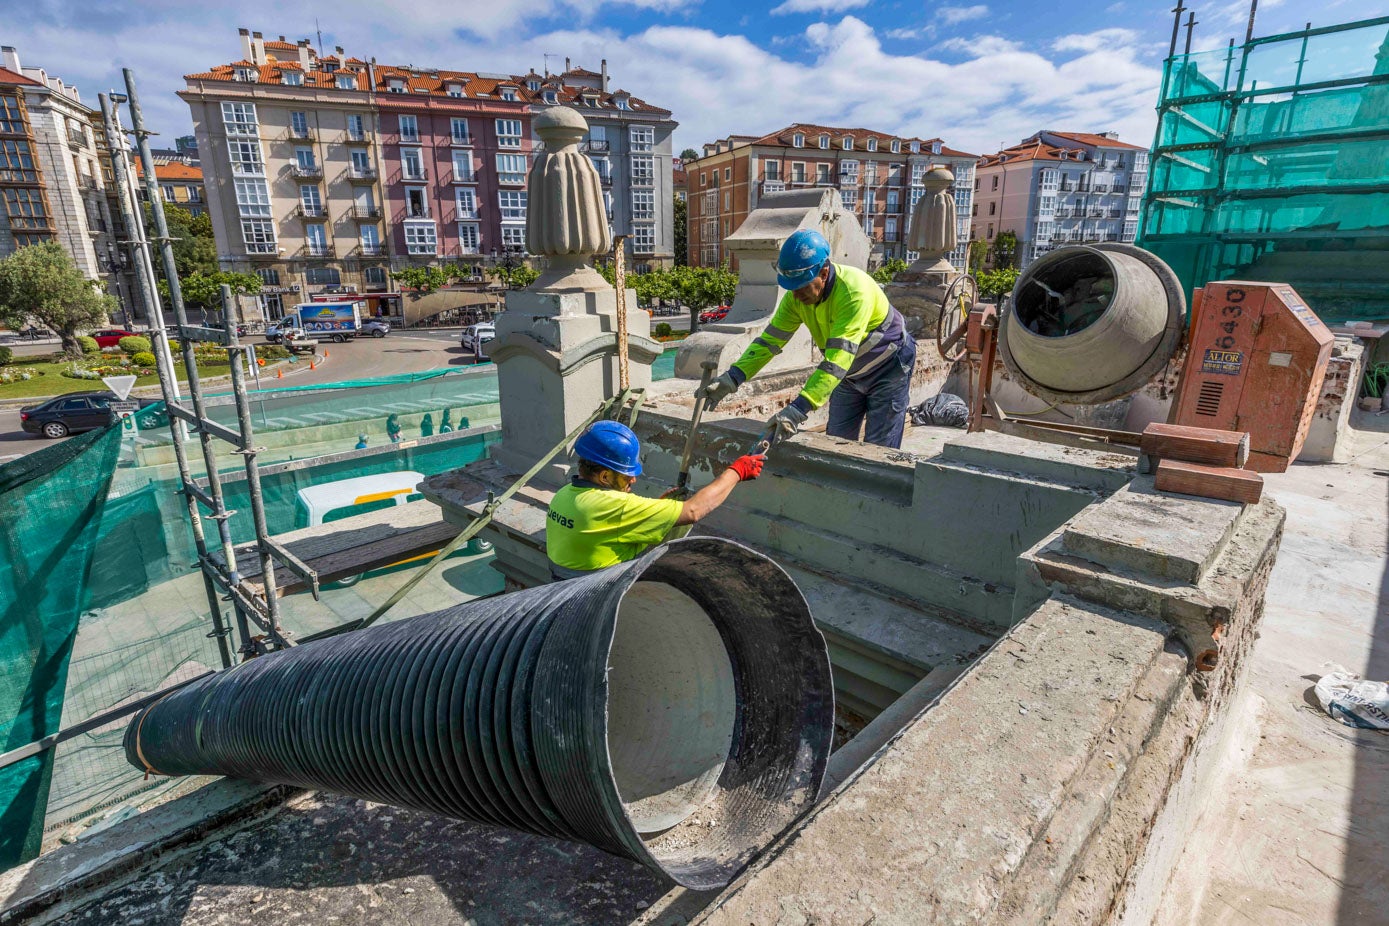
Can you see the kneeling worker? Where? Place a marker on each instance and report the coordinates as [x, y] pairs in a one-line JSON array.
[[596, 522], [867, 370]]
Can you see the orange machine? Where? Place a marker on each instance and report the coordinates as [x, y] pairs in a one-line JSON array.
[[1256, 359]]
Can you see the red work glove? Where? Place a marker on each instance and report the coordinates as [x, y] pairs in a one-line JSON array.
[[749, 466]]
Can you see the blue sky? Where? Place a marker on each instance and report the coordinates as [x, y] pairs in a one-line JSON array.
[[979, 75]]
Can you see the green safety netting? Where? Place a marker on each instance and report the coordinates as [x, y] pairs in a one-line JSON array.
[[128, 612], [1269, 163], [52, 508]]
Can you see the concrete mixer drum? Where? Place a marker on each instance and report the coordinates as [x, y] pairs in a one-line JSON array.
[[1089, 324]]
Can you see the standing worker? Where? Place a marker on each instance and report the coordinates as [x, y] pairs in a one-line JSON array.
[[596, 522], [867, 370]]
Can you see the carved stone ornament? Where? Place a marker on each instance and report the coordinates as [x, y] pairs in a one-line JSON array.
[[566, 220]]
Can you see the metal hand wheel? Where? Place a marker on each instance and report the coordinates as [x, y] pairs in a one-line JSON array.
[[959, 298]]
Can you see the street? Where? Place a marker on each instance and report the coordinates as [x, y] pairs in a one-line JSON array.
[[360, 359]]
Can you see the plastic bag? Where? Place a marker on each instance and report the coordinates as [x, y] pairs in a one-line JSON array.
[[1353, 701], [943, 409]]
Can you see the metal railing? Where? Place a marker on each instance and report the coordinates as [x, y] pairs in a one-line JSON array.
[[307, 171], [361, 173], [318, 250], [310, 212], [366, 212], [462, 177], [301, 134], [461, 141], [356, 138], [416, 174]]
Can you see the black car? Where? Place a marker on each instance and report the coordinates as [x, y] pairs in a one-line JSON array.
[[67, 414]]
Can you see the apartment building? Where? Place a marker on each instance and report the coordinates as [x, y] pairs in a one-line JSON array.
[[290, 149], [179, 183], [1057, 188], [52, 180], [879, 177], [325, 173]]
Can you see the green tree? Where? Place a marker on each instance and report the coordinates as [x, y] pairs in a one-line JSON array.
[[682, 235], [995, 283], [1005, 249], [689, 154], [42, 283], [978, 251], [890, 268], [195, 248], [205, 289], [700, 288], [421, 279]]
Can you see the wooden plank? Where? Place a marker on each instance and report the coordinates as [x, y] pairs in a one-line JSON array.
[[1229, 484], [1208, 446], [354, 545]]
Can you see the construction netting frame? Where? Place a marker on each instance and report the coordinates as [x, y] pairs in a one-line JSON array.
[[52, 506], [1269, 163]]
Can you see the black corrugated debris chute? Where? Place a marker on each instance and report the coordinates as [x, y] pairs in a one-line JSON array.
[[676, 710]]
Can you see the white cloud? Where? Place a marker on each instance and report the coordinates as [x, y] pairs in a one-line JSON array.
[[716, 83], [904, 33], [817, 6], [1094, 41], [951, 15]]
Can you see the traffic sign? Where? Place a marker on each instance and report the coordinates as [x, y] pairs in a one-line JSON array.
[[120, 385]]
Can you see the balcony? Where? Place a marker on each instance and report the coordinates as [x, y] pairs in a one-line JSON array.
[[413, 212], [1116, 213], [368, 250], [304, 134], [317, 251], [357, 138], [463, 177], [311, 212], [409, 138], [307, 172], [414, 174], [77, 139], [366, 213], [1067, 187], [1121, 190], [1101, 188], [461, 141], [1097, 213], [595, 144], [362, 174]]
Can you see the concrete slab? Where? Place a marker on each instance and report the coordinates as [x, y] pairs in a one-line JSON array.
[[1155, 533], [1300, 795]]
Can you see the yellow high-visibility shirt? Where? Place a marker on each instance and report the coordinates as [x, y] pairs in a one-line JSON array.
[[591, 527], [855, 306]]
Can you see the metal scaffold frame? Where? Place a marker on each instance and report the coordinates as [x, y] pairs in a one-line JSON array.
[[217, 561]]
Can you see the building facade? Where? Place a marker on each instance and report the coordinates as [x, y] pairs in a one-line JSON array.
[[55, 189], [326, 173], [1058, 188], [879, 178], [179, 183]]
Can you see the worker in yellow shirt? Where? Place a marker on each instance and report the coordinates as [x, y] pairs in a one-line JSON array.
[[596, 522], [866, 375]]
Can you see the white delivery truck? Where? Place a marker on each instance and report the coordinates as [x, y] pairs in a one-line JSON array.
[[334, 321]]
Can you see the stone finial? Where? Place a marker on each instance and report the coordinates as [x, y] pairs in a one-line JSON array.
[[566, 220], [932, 234]]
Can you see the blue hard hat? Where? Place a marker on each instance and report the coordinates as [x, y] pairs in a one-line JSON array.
[[611, 445], [802, 256]]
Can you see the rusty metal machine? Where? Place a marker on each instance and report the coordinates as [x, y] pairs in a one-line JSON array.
[[1256, 360], [1090, 324]]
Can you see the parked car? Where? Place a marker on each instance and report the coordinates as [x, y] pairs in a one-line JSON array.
[[713, 315], [110, 337], [375, 327], [68, 414], [474, 336]]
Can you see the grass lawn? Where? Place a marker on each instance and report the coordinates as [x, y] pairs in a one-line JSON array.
[[53, 382]]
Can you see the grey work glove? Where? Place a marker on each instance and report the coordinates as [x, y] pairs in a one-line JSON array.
[[786, 422], [717, 390]]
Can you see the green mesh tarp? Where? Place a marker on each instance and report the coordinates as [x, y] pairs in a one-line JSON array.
[[1269, 163], [51, 514]]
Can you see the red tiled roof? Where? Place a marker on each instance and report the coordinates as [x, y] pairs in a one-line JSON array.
[[174, 170], [282, 46], [1099, 141], [10, 77], [1024, 152], [433, 82]]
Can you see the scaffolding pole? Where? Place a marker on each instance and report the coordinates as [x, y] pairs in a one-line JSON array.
[[218, 565]]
